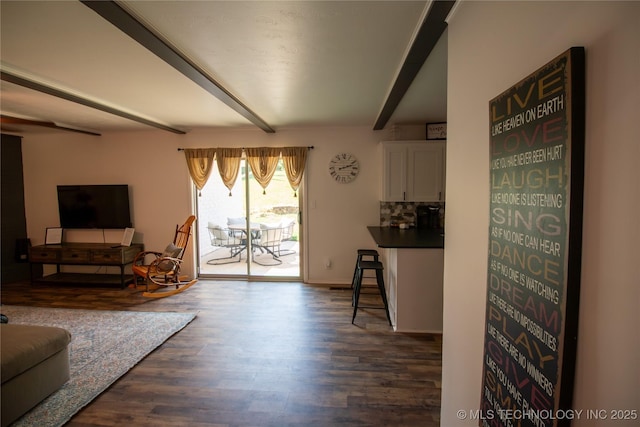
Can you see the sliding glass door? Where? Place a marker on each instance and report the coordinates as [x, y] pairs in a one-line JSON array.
[[249, 232]]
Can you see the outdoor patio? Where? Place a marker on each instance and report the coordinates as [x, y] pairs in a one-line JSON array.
[[218, 262]]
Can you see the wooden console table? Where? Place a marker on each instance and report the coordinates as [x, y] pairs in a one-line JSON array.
[[99, 254]]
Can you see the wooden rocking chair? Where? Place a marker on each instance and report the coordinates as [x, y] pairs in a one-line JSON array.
[[163, 271]]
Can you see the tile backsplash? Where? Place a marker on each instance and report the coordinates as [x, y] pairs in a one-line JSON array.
[[394, 213]]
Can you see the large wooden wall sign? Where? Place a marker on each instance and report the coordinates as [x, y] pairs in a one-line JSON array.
[[535, 239]]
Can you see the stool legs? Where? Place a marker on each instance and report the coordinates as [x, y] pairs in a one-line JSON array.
[[383, 293], [356, 293], [358, 286], [355, 275]]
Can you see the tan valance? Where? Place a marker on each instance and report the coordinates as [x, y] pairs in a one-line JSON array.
[[294, 159], [199, 163], [263, 162], [228, 160]]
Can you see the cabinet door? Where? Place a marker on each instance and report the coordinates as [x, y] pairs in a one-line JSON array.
[[425, 172], [394, 173]]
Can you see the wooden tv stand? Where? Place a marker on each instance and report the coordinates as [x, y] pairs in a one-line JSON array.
[[99, 254]]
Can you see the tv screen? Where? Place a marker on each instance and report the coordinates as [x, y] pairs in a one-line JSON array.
[[94, 206]]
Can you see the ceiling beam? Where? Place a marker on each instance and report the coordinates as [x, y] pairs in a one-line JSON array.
[[10, 120], [428, 35], [119, 17], [50, 90]]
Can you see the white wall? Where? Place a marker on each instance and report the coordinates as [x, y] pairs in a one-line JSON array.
[[336, 214], [492, 45]]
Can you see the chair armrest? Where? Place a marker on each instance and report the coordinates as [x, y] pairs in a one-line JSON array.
[[165, 264]]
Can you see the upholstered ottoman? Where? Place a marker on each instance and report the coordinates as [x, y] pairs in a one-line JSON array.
[[35, 363]]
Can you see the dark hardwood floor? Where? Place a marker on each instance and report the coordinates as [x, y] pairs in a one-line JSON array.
[[262, 354]]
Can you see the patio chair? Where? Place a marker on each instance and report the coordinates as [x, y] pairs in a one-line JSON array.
[[163, 269], [225, 238], [269, 241], [287, 229], [287, 234]]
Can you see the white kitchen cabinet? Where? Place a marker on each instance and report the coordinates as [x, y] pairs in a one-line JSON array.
[[413, 171]]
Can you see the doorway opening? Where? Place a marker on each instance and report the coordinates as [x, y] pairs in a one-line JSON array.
[[249, 232]]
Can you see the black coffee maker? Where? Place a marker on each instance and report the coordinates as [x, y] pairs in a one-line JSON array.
[[428, 216]]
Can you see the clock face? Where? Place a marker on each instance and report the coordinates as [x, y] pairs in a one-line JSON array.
[[344, 167]]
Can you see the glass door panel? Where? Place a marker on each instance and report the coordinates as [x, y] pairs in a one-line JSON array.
[[222, 249], [252, 233], [275, 211]]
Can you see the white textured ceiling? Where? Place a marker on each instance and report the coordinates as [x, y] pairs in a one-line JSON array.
[[293, 63]]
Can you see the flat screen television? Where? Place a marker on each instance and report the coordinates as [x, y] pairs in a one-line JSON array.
[[94, 206]]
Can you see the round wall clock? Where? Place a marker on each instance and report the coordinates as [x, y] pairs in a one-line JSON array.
[[344, 167]]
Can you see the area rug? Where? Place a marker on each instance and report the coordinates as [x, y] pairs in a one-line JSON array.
[[104, 346]]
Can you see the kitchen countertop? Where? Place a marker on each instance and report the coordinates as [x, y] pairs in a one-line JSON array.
[[409, 238]]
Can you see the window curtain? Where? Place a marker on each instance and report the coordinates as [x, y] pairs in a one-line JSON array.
[[294, 160], [263, 162], [228, 160], [199, 163]]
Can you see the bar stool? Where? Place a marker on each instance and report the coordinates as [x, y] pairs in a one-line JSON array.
[[362, 253], [360, 268]]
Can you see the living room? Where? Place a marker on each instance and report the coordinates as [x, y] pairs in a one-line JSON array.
[[491, 46]]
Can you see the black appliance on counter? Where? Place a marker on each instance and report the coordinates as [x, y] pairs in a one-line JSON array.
[[428, 216]]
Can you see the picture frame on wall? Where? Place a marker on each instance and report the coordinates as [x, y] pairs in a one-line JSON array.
[[437, 130], [53, 236]]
